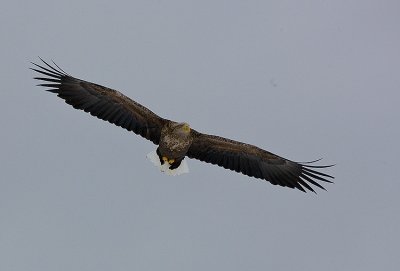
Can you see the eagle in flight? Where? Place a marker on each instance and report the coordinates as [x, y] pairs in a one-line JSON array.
[[176, 140]]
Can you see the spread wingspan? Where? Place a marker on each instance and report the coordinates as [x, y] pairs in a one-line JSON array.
[[114, 107]]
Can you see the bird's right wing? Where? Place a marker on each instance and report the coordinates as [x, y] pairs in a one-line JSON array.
[[255, 162], [101, 102]]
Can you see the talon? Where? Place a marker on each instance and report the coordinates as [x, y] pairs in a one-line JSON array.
[[171, 161]]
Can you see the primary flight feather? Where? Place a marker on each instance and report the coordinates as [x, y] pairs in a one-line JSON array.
[[177, 140]]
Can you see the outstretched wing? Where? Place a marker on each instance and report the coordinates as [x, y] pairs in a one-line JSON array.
[[255, 162], [102, 102]]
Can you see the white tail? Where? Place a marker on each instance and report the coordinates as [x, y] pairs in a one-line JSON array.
[[183, 167]]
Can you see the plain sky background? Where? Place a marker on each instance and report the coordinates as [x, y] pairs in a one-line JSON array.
[[303, 79]]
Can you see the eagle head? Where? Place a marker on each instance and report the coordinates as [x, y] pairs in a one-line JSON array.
[[181, 128]]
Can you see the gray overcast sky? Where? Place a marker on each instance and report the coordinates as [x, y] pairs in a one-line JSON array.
[[303, 79]]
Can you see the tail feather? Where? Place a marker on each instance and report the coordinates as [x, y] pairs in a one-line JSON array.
[[183, 167]]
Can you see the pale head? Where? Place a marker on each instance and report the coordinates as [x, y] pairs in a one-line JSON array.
[[181, 128]]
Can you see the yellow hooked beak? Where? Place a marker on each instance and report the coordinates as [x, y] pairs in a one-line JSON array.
[[186, 128]]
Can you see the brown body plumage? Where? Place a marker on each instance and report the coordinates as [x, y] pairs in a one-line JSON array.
[[175, 141], [178, 140]]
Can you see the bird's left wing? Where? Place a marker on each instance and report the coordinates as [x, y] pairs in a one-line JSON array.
[[255, 162], [102, 102]]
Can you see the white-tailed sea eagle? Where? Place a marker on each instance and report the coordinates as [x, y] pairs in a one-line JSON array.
[[177, 140]]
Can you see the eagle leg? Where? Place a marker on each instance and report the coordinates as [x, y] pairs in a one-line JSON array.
[[176, 163]]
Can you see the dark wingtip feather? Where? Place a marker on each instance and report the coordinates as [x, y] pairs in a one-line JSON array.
[[51, 76], [311, 175], [316, 174], [48, 79], [48, 69], [59, 68], [315, 166], [310, 162]]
